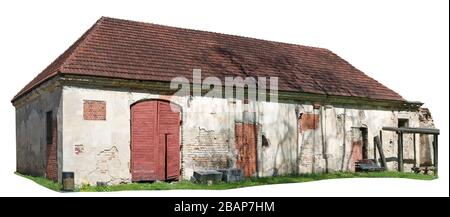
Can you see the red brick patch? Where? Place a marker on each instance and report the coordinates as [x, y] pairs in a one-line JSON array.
[[94, 110], [309, 122]]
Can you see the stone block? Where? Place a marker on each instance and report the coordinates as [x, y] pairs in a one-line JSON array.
[[232, 175], [207, 176]]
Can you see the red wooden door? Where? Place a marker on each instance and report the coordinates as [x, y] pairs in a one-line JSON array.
[[155, 142], [172, 157], [168, 130], [246, 146], [144, 155]]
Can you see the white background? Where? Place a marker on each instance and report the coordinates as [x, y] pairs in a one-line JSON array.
[[402, 44]]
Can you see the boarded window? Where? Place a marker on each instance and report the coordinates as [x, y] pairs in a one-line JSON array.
[[94, 110], [49, 127], [365, 142], [309, 121]]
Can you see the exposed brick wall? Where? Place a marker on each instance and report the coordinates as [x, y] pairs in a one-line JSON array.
[[309, 121], [51, 168], [94, 110], [206, 149]]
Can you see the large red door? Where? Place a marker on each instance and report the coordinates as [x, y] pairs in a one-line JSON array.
[[155, 145]]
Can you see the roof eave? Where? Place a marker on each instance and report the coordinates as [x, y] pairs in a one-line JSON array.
[[24, 93], [283, 96]]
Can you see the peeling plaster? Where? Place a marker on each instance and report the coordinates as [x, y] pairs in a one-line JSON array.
[[208, 137]]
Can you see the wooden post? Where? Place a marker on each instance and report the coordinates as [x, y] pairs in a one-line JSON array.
[[400, 151], [380, 150], [435, 152], [375, 150], [414, 143], [381, 137]]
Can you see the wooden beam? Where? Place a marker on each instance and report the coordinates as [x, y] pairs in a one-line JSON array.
[[379, 144], [375, 150], [415, 152], [435, 152], [412, 130], [400, 152]]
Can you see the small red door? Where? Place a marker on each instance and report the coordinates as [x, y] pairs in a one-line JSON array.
[[172, 156], [357, 150], [155, 146], [356, 153], [246, 142]]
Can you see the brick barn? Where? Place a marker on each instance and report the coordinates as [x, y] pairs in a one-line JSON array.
[[102, 110]]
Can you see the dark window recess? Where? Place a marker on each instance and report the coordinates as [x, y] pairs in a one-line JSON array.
[[403, 122], [365, 143], [49, 127], [265, 142]]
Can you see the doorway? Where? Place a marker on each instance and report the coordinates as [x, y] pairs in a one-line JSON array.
[[155, 141], [360, 145], [246, 146]]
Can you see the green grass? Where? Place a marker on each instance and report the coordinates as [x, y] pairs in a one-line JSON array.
[[221, 186], [43, 181]]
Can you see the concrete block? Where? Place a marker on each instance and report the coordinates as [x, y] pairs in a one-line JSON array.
[[207, 176], [232, 175]]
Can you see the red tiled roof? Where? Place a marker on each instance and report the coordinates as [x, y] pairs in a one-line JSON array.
[[133, 50]]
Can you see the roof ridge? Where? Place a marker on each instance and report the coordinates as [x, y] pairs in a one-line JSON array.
[[212, 32]]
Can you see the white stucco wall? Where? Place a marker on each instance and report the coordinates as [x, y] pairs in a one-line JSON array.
[[105, 155], [207, 135]]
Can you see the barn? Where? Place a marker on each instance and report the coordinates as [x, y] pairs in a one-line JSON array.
[[107, 110]]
